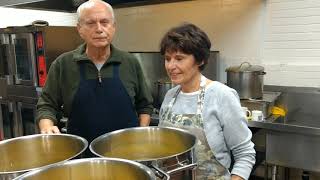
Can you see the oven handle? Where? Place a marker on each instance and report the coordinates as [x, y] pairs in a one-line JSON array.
[[8, 56], [18, 125], [1, 124], [9, 79], [10, 107]]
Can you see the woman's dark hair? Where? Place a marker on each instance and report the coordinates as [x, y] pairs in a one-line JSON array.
[[188, 39]]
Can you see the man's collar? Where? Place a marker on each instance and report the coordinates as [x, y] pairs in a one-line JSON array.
[[80, 54]]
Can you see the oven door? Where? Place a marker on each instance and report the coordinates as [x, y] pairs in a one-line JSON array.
[[6, 68], [24, 59], [6, 120], [25, 119]]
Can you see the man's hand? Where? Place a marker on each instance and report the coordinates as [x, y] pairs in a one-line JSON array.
[[47, 127], [144, 119]]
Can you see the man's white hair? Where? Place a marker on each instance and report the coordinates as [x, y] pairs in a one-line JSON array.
[[91, 3]]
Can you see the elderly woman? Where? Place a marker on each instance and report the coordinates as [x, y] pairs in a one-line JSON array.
[[204, 107]]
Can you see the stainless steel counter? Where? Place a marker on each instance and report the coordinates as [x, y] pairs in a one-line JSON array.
[[291, 143], [287, 143], [303, 125], [294, 140], [276, 123]]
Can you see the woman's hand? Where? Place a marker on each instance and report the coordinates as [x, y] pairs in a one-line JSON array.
[[235, 177], [47, 127]]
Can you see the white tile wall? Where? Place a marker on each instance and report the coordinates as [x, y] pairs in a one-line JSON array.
[[291, 48], [235, 27]]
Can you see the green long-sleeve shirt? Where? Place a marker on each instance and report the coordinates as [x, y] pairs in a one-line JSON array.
[[64, 77]]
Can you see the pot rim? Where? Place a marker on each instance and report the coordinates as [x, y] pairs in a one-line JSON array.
[[247, 72], [141, 128], [84, 160], [248, 69], [83, 140]]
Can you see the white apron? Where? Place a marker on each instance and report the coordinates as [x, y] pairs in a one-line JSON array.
[[208, 167]]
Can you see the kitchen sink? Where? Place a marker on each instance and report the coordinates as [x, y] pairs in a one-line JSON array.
[[294, 140]]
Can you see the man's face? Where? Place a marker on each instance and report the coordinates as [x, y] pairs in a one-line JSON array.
[[96, 26]]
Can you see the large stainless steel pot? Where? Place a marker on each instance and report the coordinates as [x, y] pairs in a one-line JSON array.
[[162, 148], [163, 85], [25, 153], [92, 169], [247, 80]]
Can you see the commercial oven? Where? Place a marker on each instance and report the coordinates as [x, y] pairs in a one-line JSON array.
[[25, 57], [6, 120]]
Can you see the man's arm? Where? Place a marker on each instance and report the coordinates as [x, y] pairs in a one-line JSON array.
[[143, 98], [144, 119], [49, 102]]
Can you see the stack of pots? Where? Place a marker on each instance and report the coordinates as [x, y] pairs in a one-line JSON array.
[[247, 80], [168, 151], [26, 153], [52, 156], [139, 153], [92, 168], [163, 85]]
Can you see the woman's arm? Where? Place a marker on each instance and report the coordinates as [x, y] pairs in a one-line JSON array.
[[227, 130], [237, 135]]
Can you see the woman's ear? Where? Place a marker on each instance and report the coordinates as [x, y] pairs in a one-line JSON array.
[[200, 64]]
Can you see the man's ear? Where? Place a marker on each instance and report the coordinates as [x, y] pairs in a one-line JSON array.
[[79, 29], [114, 25]]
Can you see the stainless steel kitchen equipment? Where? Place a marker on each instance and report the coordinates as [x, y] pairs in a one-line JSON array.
[[26, 153], [294, 140], [246, 79], [92, 169], [164, 85], [264, 104], [25, 56], [16, 119], [168, 149]]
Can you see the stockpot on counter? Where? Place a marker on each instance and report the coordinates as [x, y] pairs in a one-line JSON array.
[[22, 154], [247, 80], [163, 86], [92, 169], [168, 151]]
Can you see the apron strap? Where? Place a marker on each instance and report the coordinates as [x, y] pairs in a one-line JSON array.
[[200, 96]]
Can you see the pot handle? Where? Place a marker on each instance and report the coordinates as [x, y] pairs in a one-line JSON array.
[[160, 173], [263, 73], [244, 63], [182, 168]]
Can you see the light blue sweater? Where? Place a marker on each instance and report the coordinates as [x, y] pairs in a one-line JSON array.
[[225, 124]]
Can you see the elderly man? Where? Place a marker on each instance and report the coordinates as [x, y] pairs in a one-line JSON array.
[[101, 88]]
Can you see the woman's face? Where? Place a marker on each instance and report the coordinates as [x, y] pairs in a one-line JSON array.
[[181, 68]]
